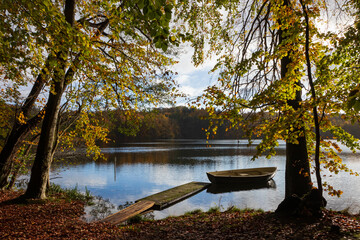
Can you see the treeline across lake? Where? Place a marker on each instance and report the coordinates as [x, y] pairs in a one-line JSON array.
[[164, 123], [180, 123]]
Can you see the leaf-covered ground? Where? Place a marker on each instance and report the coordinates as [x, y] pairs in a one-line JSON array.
[[61, 219]]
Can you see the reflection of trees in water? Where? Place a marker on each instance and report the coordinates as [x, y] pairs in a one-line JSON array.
[[177, 154], [71, 158], [226, 188], [100, 209], [182, 156]]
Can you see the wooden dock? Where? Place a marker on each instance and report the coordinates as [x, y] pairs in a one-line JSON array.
[[128, 212], [157, 201], [174, 195]]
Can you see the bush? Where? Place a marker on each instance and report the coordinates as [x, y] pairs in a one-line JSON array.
[[70, 194]]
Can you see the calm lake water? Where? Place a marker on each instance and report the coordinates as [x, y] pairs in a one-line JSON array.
[[142, 169]]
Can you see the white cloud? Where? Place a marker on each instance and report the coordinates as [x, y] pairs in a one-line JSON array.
[[191, 91], [183, 79], [81, 178], [186, 66], [192, 80]]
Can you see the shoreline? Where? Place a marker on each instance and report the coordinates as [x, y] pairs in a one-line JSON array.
[[58, 218]]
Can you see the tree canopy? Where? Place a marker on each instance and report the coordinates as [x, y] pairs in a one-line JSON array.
[[281, 75], [85, 55]]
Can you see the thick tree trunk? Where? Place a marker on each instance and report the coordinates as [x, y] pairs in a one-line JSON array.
[[297, 171], [40, 169]]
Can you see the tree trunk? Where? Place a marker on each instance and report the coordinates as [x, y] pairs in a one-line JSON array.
[[20, 131], [314, 97], [297, 171], [40, 170], [17, 168], [12, 144]]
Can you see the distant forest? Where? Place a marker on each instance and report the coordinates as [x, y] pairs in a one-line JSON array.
[[181, 123], [162, 123]]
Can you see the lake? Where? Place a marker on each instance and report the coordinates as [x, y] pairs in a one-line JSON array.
[[137, 170]]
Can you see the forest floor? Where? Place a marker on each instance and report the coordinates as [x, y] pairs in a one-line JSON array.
[[59, 218]]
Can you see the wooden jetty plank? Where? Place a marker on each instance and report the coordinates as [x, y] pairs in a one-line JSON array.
[[128, 212], [171, 196]]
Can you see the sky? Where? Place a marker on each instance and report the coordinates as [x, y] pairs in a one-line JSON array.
[[192, 80]]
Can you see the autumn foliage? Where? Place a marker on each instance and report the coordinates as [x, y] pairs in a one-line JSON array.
[[61, 219]]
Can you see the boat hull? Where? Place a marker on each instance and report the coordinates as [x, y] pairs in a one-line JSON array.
[[247, 175]]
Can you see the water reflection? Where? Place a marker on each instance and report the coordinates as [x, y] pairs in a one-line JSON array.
[[100, 209], [225, 188], [135, 171]]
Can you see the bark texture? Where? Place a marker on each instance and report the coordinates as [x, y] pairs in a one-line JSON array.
[[44, 154], [19, 130], [40, 170], [12, 144], [297, 171]]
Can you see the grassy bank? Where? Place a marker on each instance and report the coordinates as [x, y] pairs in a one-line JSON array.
[[60, 218]]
